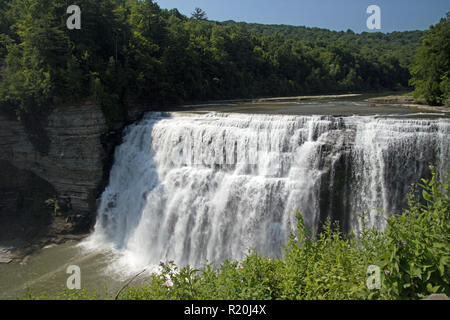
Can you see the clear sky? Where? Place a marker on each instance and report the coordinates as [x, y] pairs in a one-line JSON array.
[[396, 15]]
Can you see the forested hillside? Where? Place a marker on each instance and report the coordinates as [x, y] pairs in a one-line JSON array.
[[431, 68], [400, 45], [133, 50]]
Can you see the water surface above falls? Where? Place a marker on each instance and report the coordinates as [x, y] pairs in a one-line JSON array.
[[200, 186], [332, 107]]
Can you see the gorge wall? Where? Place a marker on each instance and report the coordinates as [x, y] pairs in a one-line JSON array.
[[74, 162], [77, 154]]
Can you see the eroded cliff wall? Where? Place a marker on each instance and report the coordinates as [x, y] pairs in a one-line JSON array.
[[73, 164]]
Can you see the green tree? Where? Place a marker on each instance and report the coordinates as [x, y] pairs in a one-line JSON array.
[[431, 68], [199, 14], [36, 60]]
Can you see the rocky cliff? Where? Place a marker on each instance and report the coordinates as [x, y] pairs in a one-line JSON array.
[[73, 164]]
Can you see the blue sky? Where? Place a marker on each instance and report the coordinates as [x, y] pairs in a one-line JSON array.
[[396, 15]]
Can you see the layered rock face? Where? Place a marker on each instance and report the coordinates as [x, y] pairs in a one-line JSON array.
[[73, 164]]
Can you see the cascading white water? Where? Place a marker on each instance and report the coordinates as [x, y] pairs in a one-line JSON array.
[[193, 188]]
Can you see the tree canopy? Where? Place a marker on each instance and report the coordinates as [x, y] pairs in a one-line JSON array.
[[133, 51], [431, 68], [199, 14]]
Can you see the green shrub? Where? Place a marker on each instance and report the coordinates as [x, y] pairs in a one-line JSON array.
[[416, 251]]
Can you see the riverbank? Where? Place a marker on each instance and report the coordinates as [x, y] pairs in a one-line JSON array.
[[409, 101], [19, 240]]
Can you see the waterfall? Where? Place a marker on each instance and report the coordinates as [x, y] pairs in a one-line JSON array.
[[207, 187]]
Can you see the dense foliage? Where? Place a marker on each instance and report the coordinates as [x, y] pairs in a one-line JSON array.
[[131, 50], [413, 255], [431, 69]]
